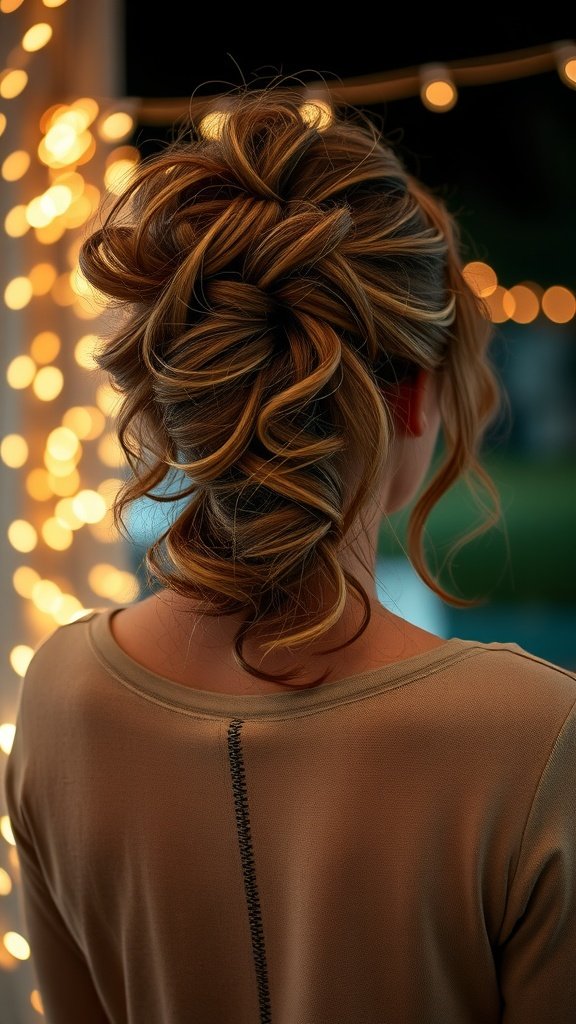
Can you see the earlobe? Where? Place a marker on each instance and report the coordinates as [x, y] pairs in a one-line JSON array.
[[408, 401]]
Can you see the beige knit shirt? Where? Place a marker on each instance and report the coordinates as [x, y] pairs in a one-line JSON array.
[[398, 847]]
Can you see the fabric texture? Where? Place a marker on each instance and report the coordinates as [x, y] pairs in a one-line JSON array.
[[397, 847]]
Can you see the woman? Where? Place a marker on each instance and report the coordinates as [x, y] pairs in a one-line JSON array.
[[257, 794]]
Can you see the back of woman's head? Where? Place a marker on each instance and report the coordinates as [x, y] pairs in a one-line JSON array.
[[279, 278]]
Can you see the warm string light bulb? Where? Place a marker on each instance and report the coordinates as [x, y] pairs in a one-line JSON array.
[[437, 90]]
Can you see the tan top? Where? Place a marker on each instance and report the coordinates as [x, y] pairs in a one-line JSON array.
[[397, 847]]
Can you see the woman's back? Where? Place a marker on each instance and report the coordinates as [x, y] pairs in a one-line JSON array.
[[397, 846]]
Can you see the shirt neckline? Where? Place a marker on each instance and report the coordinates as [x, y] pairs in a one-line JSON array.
[[164, 690]]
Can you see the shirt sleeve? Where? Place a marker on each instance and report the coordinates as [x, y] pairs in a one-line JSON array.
[[62, 974], [536, 958]]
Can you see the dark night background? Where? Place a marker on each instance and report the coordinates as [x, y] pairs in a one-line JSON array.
[[503, 157]]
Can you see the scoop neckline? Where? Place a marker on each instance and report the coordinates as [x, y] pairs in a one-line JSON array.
[[165, 690]]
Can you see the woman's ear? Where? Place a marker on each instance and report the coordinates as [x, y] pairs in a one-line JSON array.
[[408, 401]]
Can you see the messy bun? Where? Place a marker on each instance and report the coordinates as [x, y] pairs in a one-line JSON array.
[[276, 279]]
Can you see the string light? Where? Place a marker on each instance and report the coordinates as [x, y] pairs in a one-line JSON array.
[[20, 658], [522, 302], [48, 383], [15, 223], [17, 293], [559, 304], [20, 372], [14, 450], [36, 37], [437, 89], [13, 81], [16, 945], [526, 305], [15, 165]]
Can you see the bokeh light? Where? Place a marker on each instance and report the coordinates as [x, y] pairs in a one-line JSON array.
[[116, 126], [48, 383], [16, 945], [439, 95], [18, 293], [14, 450], [559, 304], [481, 278], [45, 347], [15, 165], [526, 305], [22, 535], [13, 81], [20, 372], [37, 36], [15, 222], [20, 658]]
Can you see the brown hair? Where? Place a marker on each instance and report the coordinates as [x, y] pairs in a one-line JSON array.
[[277, 278]]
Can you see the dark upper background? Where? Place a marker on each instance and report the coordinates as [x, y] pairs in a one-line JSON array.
[[503, 157]]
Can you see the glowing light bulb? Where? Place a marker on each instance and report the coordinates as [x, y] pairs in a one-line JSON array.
[[22, 535], [526, 305], [56, 534], [7, 733], [65, 514], [5, 880], [20, 372], [35, 997], [20, 658], [66, 485], [45, 346], [13, 450], [107, 399], [24, 580], [116, 126], [6, 830], [38, 485], [16, 945], [110, 451], [87, 422], [118, 175], [48, 383], [68, 609], [46, 595], [89, 506], [13, 81], [559, 304], [18, 293], [480, 277], [15, 223], [437, 90], [62, 444], [36, 37], [42, 277], [500, 305], [15, 165]]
